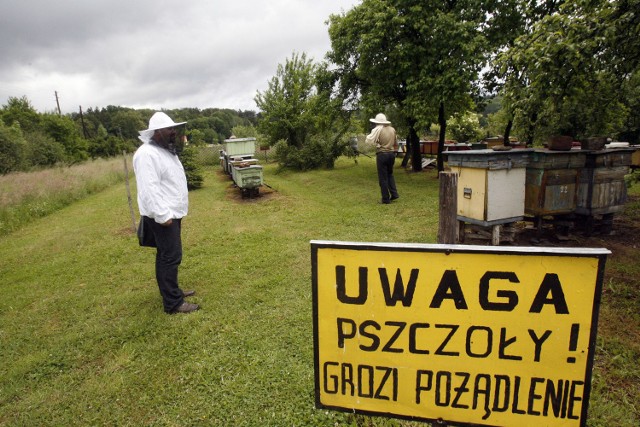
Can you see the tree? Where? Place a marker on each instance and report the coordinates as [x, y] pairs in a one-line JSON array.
[[465, 127], [422, 57], [244, 132], [300, 117], [126, 124], [569, 72], [510, 20], [196, 137], [12, 148], [63, 130], [20, 110], [43, 151], [285, 104], [106, 145]]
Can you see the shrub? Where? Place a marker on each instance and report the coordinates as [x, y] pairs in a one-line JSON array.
[[42, 150], [12, 148], [192, 169], [319, 152]]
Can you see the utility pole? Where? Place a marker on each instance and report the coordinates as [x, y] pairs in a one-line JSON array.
[[58, 103]]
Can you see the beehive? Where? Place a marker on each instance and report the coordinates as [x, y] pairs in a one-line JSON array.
[[239, 146], [601, 186], [552, 181], [490, 185]]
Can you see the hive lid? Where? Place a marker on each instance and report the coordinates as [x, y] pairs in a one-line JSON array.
[[618, 145]]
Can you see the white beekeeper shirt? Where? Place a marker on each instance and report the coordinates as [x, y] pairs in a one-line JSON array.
[[162, 184]]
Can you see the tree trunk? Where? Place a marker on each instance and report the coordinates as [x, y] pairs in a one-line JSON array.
[[416, 156], [507, 132], [443, 130], [532, 126], [407, 153]]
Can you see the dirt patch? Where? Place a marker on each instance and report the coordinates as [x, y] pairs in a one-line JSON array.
[[236, 194], [621, 237], [233, 193]]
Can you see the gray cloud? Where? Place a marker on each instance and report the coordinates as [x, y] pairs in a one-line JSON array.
[[154, 53]]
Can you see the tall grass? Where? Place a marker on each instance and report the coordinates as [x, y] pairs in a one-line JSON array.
[[25, 196]]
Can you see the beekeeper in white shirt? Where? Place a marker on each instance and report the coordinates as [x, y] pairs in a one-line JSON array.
[[163, 201]]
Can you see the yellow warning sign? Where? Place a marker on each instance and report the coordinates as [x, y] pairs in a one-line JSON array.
[[465, 334]]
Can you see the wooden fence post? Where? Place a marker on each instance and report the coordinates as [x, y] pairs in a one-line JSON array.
[[448, 223], [126, 171]]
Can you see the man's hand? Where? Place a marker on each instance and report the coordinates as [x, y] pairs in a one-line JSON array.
[[168, 223]]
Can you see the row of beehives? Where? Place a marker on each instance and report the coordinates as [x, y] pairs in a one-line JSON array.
[[499, 187], [237, 160]]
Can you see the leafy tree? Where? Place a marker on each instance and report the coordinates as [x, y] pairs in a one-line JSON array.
[[285, 104], [244, 132], [42, 150], [567, 73], [298, 109], [47, 139], [126, 124], [510, 20], [105, 145], [63, 130], [196, 137], [630, 129], [222, 128], [210, 136], [420, 56], [12, 148], [20, 110], [465, 127]]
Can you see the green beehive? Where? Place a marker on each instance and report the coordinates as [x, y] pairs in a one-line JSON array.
[[239, 146], [247, 177]]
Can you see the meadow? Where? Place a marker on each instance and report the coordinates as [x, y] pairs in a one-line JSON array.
[[25, 196], [85, 340]]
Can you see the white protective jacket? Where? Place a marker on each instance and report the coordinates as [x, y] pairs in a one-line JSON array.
[[162, 184]]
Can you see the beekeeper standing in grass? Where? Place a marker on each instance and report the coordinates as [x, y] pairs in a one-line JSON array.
[[384, 138], [163, 201]]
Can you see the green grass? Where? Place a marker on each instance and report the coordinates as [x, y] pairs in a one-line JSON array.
[[85, 341], [616, 380]]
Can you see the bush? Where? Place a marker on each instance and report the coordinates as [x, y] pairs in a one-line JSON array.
[[465, 127], [317, 153], [42, 150], [62, 129], [192, 169], [12, 149]]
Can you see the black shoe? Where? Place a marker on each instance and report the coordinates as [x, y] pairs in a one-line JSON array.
[[395, 198], [188, 293], [384, 202], [186, 307]]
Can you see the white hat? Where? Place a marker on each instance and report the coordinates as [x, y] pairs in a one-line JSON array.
[[380, 119], [159, 120]]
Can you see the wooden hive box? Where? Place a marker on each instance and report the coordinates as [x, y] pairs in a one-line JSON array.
[[552, 182], [490, 185]]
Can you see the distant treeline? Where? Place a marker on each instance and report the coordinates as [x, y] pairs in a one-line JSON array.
[[31, 139]]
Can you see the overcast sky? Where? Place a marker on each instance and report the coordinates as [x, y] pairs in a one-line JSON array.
[[154, 53]]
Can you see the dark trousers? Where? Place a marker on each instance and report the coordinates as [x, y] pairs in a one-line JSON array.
[[168, 259], [384, 162]]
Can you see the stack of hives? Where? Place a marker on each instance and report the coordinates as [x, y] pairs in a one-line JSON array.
[[237, 161]]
